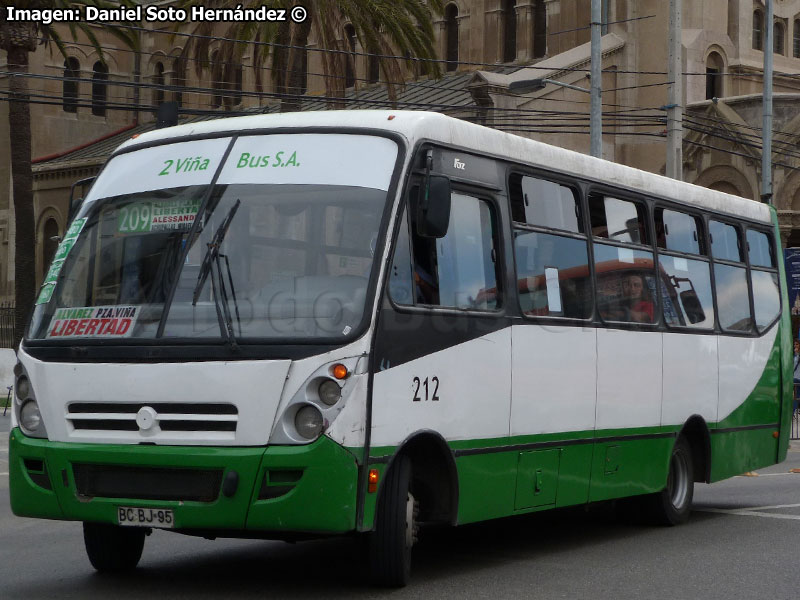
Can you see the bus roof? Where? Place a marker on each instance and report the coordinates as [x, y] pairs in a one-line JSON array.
[[421, 125]]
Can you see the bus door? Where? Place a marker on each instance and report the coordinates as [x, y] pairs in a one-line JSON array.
[[443, 349]]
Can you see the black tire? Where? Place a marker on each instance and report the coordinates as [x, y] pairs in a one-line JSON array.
[[395, 528], [111, 548], [672, 505]]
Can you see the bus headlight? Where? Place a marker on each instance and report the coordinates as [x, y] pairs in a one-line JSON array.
[[308, 422], [26, 409], [30, 419], [317, 400], [22, 388], [330, 392]]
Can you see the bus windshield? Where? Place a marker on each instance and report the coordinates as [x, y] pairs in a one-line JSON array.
[[267, 259]]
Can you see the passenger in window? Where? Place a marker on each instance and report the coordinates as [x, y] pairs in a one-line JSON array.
[[639, 306]]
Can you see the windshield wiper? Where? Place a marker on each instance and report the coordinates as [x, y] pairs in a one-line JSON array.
[[211, 260]]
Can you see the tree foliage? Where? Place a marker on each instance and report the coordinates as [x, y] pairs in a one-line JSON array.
[[18, 39], [387, 29]]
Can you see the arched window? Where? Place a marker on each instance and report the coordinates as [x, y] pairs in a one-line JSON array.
[[451, 36], [509, 31], [796, 38], [304, 68], [158, 82], [178, 79], [233, 82], [373, 69], [72, 70], [758, 30], [714, 68], [779, 38], [350, 67], [539, 29], [99, 89]]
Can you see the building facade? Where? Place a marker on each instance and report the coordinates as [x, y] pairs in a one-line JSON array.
[[91, 105]]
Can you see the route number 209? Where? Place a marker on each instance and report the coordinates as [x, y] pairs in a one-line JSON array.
[[430, 387]]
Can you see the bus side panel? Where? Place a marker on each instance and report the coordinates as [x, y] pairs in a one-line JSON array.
[[449, 376], [690, 378], [486, 486], [554, 390], [745, 439], [630, 467], [749, 380]]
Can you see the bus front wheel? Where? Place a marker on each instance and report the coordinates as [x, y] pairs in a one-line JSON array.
[[395, 528], [112, 548], [672, 505]]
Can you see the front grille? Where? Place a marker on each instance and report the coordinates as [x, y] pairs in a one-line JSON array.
[[171, 416], [146, 483]]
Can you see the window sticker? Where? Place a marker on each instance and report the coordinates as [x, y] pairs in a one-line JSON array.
[[323, 159], [553, 290], [93, 321], [62, 251], [153, 217], [680, 264], [160, 167]]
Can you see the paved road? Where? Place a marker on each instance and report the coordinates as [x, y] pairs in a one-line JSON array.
[[742, 542]]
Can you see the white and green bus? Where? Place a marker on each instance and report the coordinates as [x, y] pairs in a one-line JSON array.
[[292, 326]]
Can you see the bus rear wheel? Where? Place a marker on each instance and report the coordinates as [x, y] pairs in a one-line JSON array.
[[672, 505], [395, 528], [111, 548]]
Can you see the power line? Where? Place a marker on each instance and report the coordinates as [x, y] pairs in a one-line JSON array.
[[413, 58], [604, 24], [301, 97], [742, 154]]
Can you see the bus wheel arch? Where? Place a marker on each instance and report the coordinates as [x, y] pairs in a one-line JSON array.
[[696, 433], [434, 478]]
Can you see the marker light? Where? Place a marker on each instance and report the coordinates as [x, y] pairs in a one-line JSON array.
[[339, 371], [372, 481]]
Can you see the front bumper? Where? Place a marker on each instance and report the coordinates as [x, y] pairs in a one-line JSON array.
[[293, 489]]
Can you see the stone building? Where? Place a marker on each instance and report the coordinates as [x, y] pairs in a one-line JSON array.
[[485, 45]]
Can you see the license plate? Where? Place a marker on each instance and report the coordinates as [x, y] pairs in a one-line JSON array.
[[147, 517]]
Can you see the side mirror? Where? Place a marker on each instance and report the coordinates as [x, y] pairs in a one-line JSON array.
[[692, 306], [433, 207], [74, 200]]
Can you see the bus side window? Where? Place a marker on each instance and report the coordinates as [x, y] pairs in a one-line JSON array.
[[552, 267], [678, 232], [544, 203], [458, 270], [617, 220], [759, 249], [730, 278]]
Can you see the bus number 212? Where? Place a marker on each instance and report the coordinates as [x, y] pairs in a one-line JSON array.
[[434, 384]]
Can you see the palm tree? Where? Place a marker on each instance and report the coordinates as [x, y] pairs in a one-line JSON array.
[[386, 28], [18, 39]]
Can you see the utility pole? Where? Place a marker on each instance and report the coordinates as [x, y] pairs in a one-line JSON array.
[[596, 116], [675, 103], [766, 130]]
